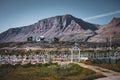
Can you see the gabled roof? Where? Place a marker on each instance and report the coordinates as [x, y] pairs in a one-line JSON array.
[[75, 48]]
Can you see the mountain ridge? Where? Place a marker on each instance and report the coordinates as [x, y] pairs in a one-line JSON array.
[[58, 26], [111, 29], [65, 27]]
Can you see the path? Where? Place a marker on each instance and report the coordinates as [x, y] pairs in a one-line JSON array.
[[110, 75]]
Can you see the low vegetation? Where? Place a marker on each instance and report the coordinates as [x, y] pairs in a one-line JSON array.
[[51, 71], [60, 44], [114, 67]]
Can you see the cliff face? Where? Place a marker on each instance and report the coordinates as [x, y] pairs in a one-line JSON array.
[[112, 29], [65, 27]]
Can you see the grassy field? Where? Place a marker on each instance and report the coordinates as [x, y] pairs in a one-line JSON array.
[[114, 67], [46, 72]]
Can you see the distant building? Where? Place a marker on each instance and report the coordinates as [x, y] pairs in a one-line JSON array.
[[42, 39], [30, 39], [55, 39]]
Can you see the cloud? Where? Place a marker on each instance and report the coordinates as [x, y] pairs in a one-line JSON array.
[[101, 15]]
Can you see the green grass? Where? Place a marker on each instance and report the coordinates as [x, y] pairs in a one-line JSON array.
[[51, 71]]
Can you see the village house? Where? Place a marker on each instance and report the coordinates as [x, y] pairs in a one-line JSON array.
[[42, 39]]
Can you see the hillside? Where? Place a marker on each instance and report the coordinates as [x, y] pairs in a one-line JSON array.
[[112, 29], [64, 27]]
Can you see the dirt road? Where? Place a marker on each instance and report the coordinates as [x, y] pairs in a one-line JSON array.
[[110, 75]]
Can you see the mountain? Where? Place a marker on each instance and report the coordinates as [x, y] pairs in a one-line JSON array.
[[112, 29], [64, 27]]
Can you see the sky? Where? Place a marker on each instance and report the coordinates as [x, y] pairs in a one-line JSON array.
[[18, 13]]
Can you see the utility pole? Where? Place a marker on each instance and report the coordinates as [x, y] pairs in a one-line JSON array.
[[110, 43]]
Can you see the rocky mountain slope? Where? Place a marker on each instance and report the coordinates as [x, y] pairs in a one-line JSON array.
[[112, 29], [65, 27]]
